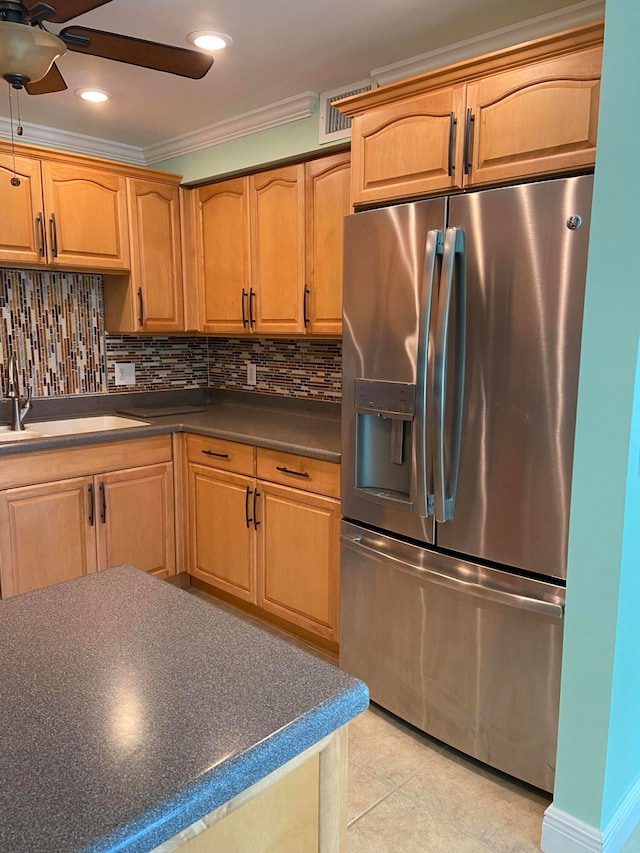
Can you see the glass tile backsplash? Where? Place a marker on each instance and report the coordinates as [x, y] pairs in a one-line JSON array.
[[54, 323]]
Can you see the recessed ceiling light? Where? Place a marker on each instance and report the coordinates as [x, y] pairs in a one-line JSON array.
[[96, 96], [209, 40]]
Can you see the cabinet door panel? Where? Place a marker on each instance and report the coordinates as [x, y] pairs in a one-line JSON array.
[[135, 517], [299, 557], [327, 203], [21, 232], [46, 535], [222, 544], [536, 120], [277, 249], [87, 217], [223, 252], [408, 148], [156, 262]]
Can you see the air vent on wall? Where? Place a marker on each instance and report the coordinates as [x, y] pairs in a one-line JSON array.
[[334, 125]]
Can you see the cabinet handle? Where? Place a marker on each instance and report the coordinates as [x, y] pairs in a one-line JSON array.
[[42, 249], [141, 303], [246, 506], [103, 494], [54, 235], [213, 453], [289, 471], [256, 495], [252, 296], [468, 141], [92, 505], [452, 141], [305, 306], [245, 322]]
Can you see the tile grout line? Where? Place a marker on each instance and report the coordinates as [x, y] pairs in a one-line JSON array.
[[392, 790]]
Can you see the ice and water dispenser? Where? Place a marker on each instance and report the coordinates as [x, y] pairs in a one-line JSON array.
[[385, 413]]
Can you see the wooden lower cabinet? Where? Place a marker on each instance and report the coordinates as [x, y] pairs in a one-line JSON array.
[[45, 535], [221, 532], [271, 545], [51, 532], [299, 557]]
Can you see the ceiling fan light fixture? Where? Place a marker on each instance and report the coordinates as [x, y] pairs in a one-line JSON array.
[[27, 53], [209, 40], [96, 96]]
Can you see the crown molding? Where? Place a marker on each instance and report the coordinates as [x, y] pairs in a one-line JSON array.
[[290, 109], [585, 12], [51, 137]]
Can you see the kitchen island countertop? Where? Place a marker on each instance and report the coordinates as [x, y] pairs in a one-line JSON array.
[[130, 709]]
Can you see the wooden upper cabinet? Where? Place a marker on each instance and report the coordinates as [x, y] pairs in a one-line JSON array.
[[222, 236], [86, 213], [408, 148], [327, 203], [535, 120], [156, 255], [277, 250], [526, 111], [22, 219]]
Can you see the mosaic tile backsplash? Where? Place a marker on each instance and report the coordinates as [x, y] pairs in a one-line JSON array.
[[54, 322]]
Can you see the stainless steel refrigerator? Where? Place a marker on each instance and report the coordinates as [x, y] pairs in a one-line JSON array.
[[462, 328]]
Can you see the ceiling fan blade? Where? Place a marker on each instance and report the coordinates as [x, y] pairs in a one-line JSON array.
[[65, 10], [147, 54], [53, 81]]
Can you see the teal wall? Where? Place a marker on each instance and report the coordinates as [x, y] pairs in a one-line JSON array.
[[599, 737], [277, 143]]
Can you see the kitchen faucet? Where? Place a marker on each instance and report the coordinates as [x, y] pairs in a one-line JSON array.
[[18, 410]]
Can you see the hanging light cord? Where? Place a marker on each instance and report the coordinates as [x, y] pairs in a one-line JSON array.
[[15, 180]]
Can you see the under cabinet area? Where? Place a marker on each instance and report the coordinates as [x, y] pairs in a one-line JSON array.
[[526, 111], [269, 250], [67, 513], [264, 529]]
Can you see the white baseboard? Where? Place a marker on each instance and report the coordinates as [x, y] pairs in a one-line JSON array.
[[563, 833]]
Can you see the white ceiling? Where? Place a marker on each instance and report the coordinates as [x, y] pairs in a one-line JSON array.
[[280, 49]]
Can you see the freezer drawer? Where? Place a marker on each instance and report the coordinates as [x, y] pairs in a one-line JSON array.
[[467, 654]]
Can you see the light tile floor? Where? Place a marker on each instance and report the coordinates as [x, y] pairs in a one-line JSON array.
[[409, 793]]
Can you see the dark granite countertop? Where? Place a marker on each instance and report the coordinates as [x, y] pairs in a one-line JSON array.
[[310, 428], [130, 709]]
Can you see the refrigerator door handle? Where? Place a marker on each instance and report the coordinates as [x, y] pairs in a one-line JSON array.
[[424, 478], [446, 481], [510, 599]]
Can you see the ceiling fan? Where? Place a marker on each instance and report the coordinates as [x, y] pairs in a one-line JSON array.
[[28, 51]]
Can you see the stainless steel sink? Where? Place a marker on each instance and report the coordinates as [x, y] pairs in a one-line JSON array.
[[69, 426]]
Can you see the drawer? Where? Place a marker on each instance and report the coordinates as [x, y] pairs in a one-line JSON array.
[[302, 472], [220, 453]]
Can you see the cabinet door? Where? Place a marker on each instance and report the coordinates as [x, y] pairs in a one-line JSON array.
[[47, 534], [277, 249], [135, 518], [412, 147], [86, 217], [536, 120], [327, 203], [156, 261], [222, 229], [221, 533], [298, 557], [22, 236]]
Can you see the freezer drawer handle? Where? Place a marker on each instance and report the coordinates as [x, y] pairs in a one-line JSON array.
[[523, 602]]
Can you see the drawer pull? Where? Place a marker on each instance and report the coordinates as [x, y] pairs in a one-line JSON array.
[[218, 455], [289, 471]]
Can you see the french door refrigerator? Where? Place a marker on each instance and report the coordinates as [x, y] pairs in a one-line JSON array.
[[462, 328]]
